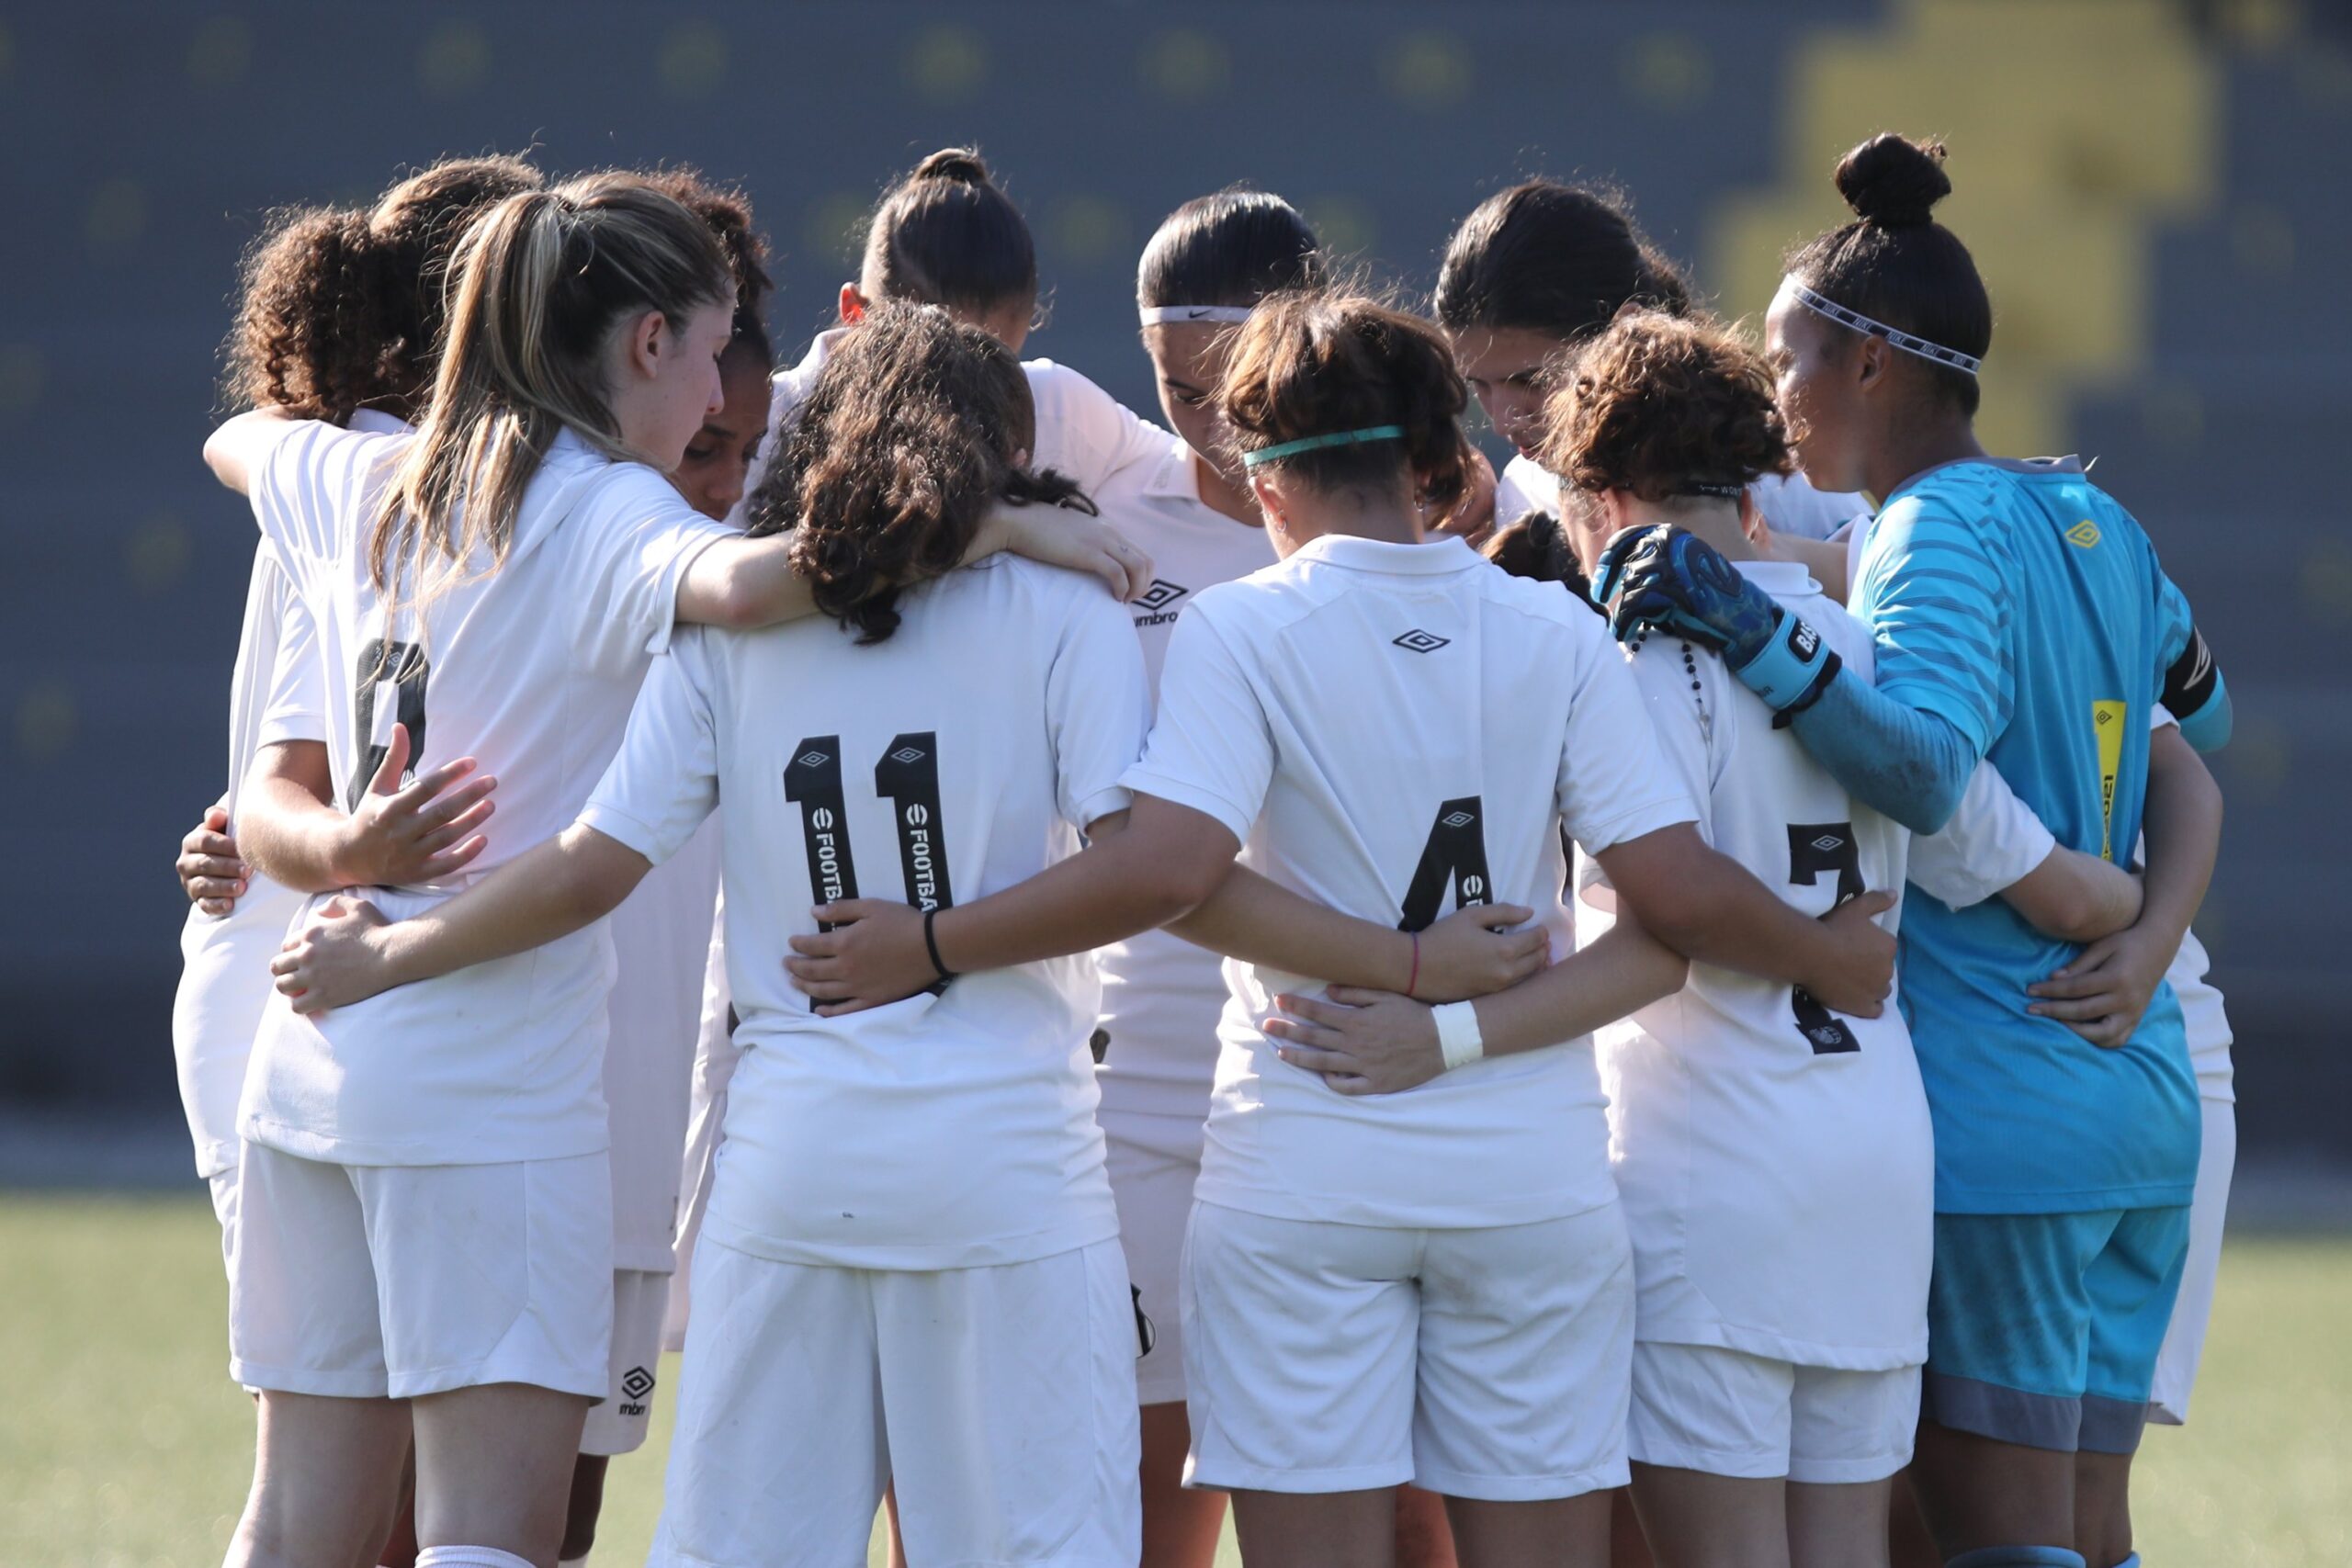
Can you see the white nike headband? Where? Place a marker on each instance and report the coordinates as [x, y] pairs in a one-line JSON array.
[[1164, 315]]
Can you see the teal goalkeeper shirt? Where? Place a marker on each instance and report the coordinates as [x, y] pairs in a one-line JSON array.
[[2019, 602]]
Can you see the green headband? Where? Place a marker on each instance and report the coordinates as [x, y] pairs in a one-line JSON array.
[[1316, 443]]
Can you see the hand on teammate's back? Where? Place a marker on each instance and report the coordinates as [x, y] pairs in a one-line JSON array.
[[403, 836], [1058, 535], [1861, 972], [332, 962], [209, 872], [1361, 1042], [874, 955], [1475, 951], [2103, 993]]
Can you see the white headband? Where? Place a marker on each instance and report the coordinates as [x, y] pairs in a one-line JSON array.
[[1161, 315], [1821, 305]]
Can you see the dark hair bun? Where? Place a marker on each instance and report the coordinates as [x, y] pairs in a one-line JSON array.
[[961, 164], [1894, 182]]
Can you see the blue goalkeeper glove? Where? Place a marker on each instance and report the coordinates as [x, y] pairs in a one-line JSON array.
[[1663, 577]]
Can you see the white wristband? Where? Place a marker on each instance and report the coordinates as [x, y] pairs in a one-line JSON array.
[[1458, 1040]]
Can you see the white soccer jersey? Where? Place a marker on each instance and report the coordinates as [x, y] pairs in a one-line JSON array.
[[957, 758], [1789, 504], [661, 935], [276, 693], [1523, 486], [532, 667], [1162, 995], [1775, 1158], [1392, 729], [1083, 431], [1994, 840]]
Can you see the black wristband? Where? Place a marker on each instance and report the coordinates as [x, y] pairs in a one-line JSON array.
[[931, 944]]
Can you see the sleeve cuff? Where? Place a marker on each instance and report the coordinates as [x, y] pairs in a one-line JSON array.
[[624, 830], [1626, 826], [1093, 808], [666, 624], [278, 729], [1234, 820]]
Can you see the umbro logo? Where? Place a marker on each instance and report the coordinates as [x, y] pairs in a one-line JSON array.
[[812, 759], [1826, 842], [636, 1383], [2104, 716], [1457, 819], [909, 754], [1160, 594], [2084, 534], [1420, 641]]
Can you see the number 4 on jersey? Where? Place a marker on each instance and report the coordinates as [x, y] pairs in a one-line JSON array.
[[1455, 854]]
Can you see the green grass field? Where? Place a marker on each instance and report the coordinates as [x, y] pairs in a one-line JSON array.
[[124, 1444]]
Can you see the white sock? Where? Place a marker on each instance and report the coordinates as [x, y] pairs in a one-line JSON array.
[[469, 1557]]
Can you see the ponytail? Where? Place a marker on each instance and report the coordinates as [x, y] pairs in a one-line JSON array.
[[538, 283], [947, 235]]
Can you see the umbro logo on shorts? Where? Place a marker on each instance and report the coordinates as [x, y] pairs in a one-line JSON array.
[[2084, 534], [1160, 594], [1420, 641], [636, 1383]]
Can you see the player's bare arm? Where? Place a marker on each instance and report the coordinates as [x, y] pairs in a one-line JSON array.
[[349, 951], [2075, 896], [2103, 993], [1707, 907], [398, 836], [1366, 1042], [1140, 870]]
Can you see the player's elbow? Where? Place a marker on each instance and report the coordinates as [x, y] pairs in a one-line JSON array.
[[1180, 887]]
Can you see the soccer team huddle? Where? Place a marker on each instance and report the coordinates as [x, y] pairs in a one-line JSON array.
[[1086, 973]]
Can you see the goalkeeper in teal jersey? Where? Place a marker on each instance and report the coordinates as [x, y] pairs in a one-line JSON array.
[[2019, 614]]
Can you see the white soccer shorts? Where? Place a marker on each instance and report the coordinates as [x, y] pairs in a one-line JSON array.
[[368, 1281], [1489, 1364], [617, 1422], [1000, 1400], [1724, 1412], [222, 1185], [1153, 1189], [2184, 1338]]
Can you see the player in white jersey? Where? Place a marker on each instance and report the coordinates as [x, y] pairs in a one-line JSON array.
[[965, 1298], [426, 1223], [1763, 1145], [312, 274], [1155, 1045], [947, 235], [1386, 1286], [663, 932]]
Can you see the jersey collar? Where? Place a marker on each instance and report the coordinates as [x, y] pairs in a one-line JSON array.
[[1779, 577], [2070, 464], [1435, 558]]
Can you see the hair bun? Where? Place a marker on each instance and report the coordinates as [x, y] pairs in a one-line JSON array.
[[1894, 182], [962, 165]]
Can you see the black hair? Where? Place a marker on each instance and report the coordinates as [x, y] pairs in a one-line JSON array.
[[1556, 259], [947, 235], [1232, 248], [1895, 263]]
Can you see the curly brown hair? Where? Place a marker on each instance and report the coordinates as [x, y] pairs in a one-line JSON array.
[[906, 441], [342, 308], [728, 211], [1662, 406], [1311, 363]]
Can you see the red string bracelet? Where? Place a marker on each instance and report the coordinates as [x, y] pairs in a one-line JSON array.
[[1414, 978]]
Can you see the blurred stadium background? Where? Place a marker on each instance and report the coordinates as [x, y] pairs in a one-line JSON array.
[[2160, 192]]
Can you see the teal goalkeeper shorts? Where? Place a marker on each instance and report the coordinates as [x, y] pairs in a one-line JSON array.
[[2044, 1329]]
